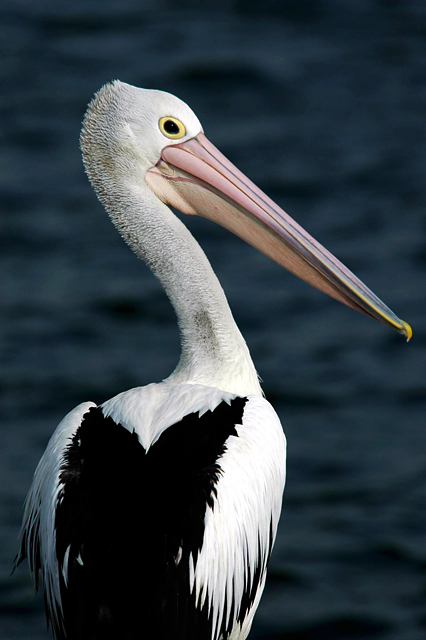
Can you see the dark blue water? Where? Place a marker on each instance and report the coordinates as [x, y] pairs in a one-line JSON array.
[[322, 103]]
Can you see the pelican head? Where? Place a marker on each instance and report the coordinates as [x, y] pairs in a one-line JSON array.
[[154, 139]]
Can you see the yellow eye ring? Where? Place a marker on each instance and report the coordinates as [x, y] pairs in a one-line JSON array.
[[171, 127]]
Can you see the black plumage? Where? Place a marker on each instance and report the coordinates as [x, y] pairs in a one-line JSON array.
[[127, 521]]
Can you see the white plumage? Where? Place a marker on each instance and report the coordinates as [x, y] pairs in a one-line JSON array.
[[154, 515]]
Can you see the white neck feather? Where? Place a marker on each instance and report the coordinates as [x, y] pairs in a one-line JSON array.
[[214, 352]]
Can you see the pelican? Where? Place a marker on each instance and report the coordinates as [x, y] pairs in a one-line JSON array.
[[154, 514]]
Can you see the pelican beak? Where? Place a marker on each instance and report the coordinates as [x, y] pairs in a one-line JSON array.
[[195, 178]]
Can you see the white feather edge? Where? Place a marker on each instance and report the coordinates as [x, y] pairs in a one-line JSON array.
[[40, 510], [249, 497]]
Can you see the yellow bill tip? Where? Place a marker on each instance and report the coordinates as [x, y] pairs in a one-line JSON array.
[[406, 330]]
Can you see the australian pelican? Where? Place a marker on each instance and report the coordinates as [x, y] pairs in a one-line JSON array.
[[154, 514]]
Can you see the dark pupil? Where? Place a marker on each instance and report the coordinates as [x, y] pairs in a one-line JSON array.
[[171, 127]]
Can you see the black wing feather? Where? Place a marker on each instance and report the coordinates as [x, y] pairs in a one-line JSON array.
[[124, 515]]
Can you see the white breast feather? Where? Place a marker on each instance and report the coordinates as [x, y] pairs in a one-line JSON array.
[[152, 409]]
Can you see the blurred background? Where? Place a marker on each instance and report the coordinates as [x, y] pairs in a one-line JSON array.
[[322, 103]]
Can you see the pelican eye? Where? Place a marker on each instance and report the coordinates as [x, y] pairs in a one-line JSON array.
[[171, 127]]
